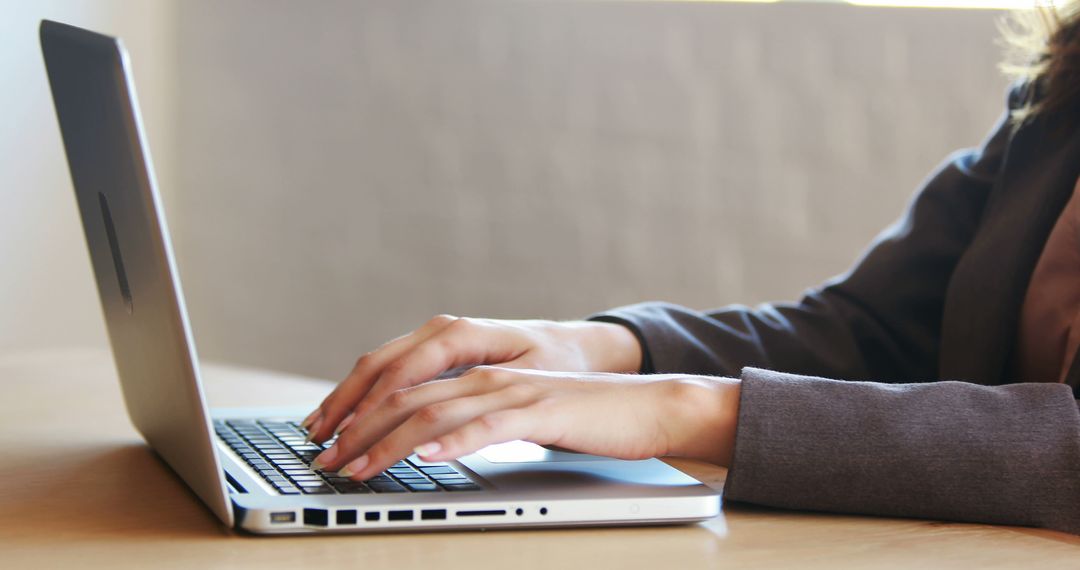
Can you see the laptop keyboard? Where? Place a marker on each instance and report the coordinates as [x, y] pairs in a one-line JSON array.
[[279, 452]]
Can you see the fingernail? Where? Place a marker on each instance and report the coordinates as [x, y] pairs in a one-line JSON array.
[[428, 449], [355, 467], [314, 429], [311, 417], [345, 423], [325, 458]]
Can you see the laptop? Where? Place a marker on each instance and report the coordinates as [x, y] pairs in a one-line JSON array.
[[251, 467]]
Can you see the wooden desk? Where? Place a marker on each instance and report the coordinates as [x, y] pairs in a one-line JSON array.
[[79, 489]]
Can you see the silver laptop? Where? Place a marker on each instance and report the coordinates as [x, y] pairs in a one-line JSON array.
[[251, 467]]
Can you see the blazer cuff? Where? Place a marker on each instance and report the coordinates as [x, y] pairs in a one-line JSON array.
[[942, 450], [663, 339]]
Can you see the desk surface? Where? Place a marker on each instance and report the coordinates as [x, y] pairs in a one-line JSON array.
[[78, 488]]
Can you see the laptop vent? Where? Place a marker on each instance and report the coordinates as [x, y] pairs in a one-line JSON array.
[[114, 246]]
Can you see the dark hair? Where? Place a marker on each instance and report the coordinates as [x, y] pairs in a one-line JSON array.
[[1043, 51]]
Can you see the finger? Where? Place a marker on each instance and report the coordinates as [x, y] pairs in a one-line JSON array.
[[429, 423], [357, 378], [345, 423], [523, 362], [461, 343], [334, 408], [337, 405], [397, 408], [498, 426]]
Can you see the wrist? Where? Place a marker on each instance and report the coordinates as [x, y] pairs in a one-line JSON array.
[[704, 412], [611, 347]]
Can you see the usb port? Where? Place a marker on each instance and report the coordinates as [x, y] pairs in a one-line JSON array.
[[399, 515], [433, 514], [316, 517]]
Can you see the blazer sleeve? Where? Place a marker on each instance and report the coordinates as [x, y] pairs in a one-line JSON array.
[[945, 450], [880, 321]]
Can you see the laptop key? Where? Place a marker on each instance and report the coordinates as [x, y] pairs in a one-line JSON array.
[[309, 482], [294, 464], [439, 470], [276, 459], [463, 487], [354, 489], [451, 479], [385, 487]]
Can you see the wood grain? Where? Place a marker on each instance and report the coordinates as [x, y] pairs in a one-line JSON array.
[[78, 488]]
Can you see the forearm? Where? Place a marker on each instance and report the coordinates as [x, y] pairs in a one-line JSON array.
[[948, 450]]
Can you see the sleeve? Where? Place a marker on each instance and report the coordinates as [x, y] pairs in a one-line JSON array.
[[945, 450], [880, 321]]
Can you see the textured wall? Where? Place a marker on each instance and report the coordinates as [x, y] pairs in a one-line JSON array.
[[347, 171], [47, 292]]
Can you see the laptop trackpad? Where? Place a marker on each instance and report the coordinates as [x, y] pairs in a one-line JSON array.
[[525, 452]]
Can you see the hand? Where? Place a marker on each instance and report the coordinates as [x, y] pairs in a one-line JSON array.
[[445, 343], [616, 415]]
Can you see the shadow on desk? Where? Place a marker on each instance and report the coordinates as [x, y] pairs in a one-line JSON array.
[[96, 492]]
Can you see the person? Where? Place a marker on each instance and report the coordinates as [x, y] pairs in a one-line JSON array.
[[935, 379]]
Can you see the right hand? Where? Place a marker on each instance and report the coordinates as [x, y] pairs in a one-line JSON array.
[[446, 342]]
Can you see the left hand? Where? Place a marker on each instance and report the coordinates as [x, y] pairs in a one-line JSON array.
[[617, 415]]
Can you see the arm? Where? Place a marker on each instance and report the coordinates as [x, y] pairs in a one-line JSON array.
[[880, 321], [945, 450]]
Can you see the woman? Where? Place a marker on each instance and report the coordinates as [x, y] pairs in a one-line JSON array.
[[978, 282]]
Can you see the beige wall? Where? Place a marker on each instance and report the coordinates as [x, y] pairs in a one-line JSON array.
[[46, 286], [337, 172], [350, 168]]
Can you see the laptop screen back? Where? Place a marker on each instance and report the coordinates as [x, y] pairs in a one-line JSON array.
[[130, 252]]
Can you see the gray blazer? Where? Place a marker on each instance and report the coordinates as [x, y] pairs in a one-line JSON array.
[[923, 419]]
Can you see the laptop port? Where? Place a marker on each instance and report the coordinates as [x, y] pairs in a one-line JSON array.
[[399, 515], [433, 514], [283, 517], [492, 513], [346, 516], [371, 516], [316, 517]]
